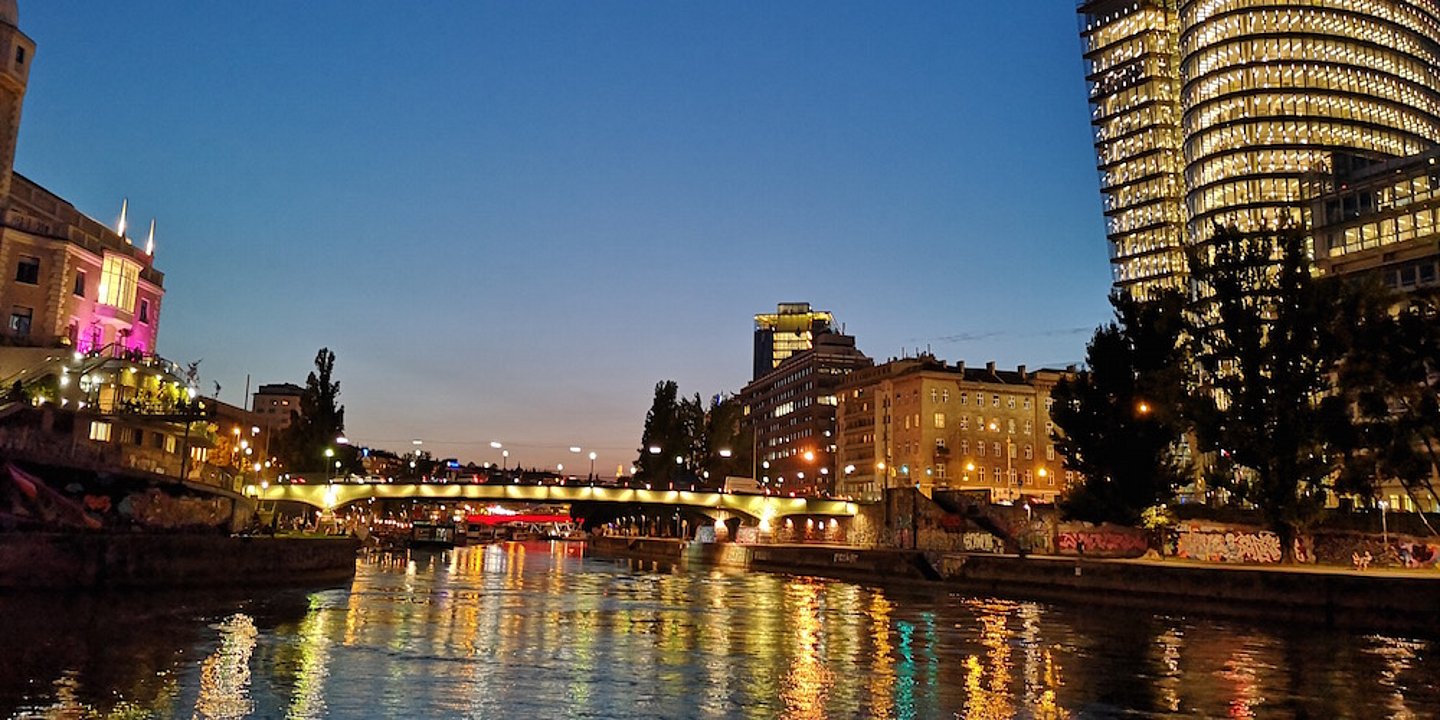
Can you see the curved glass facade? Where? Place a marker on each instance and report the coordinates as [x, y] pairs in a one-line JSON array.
[[1271, 88], [1133, 74], [1213, 112]]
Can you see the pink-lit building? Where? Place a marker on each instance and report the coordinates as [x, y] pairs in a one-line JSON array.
[[65, 279]]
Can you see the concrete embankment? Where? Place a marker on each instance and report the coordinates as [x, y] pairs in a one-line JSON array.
[[78, 560], [1332, 596]]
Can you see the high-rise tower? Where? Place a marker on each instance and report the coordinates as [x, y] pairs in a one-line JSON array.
[[1268, 90], [790, 329]]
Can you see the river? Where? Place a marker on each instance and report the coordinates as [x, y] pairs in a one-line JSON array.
[[538, 630]]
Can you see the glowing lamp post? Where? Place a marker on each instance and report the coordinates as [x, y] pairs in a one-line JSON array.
[[592, 467]]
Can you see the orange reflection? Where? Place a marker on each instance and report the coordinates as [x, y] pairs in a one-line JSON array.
[[807, 684]]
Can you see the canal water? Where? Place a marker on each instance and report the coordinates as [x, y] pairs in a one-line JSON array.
[[538, 630]]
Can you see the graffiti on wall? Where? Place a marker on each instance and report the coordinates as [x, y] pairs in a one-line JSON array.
[[1101, 541], [980, 542], [1232, 546]]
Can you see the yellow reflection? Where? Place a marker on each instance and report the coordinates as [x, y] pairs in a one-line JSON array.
[[225, 675], [308, 699], [807, 686], [882, 663], [1399, 656]]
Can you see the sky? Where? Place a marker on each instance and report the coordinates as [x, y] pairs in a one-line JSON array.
[[510, 220]]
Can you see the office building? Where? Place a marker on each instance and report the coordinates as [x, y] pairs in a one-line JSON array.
[[1217, 112], [1380, 218], [791, 411], [790, 329]]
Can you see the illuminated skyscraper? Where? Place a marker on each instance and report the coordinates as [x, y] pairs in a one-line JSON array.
[[790, 329], [1211, 112]]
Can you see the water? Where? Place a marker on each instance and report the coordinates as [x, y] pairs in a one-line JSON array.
[[538, 631]]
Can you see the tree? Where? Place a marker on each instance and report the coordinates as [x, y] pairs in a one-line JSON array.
[[728, 440], [1262, 341], [1119, 422], [1389, 381], [662, 439], [319, 421]]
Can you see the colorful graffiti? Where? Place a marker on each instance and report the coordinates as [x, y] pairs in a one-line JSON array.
[[1229, 546], [1108, 542]]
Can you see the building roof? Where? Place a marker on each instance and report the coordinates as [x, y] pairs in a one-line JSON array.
[[280, 389]]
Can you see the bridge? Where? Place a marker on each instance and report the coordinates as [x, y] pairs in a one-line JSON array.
[[764, 508]]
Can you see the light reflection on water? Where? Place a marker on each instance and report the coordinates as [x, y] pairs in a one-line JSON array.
[[537, 630]]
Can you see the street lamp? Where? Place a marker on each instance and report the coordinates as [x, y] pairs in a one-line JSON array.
[[329, 453], [592, 466]]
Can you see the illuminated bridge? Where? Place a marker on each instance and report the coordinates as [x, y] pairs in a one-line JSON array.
[[759, 507]]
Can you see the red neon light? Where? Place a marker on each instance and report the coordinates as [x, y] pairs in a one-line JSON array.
[[507, 519]]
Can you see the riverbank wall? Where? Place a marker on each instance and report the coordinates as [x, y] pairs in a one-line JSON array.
[[1381, 600], [101, 561]]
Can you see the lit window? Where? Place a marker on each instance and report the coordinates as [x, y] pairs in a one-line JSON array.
[[119, 279], [939, 421], [99, 431]]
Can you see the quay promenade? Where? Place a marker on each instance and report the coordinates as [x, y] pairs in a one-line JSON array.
[[1388, 598]]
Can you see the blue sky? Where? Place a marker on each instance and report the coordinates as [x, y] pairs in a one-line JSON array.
[[510, 220]]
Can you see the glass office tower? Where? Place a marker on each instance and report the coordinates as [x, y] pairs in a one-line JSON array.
[[1268, 91]]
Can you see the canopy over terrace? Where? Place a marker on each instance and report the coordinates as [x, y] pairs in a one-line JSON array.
[[759, 507]]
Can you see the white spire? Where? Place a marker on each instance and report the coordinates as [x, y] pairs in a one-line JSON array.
[[124, 210], [150, 241]]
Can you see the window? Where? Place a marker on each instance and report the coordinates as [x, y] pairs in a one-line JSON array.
[[1049, 452], [964, 398], [945, 395], [28, 270], [99, 431], [939, 443], [1029, 478], [119, 278], [980, 449], [1010, 426], [1029, 452], [939, 421], [997, 476], [144, 314], [996, 448], [1049, 428], [1027, 403], [19, 54], [1010, 401], [20, 318], [137, 436], [934, 395], [1029, 426], [964, 423], [964, 447], [994, 401], [79, 284], [170, 444], [940, 471]]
